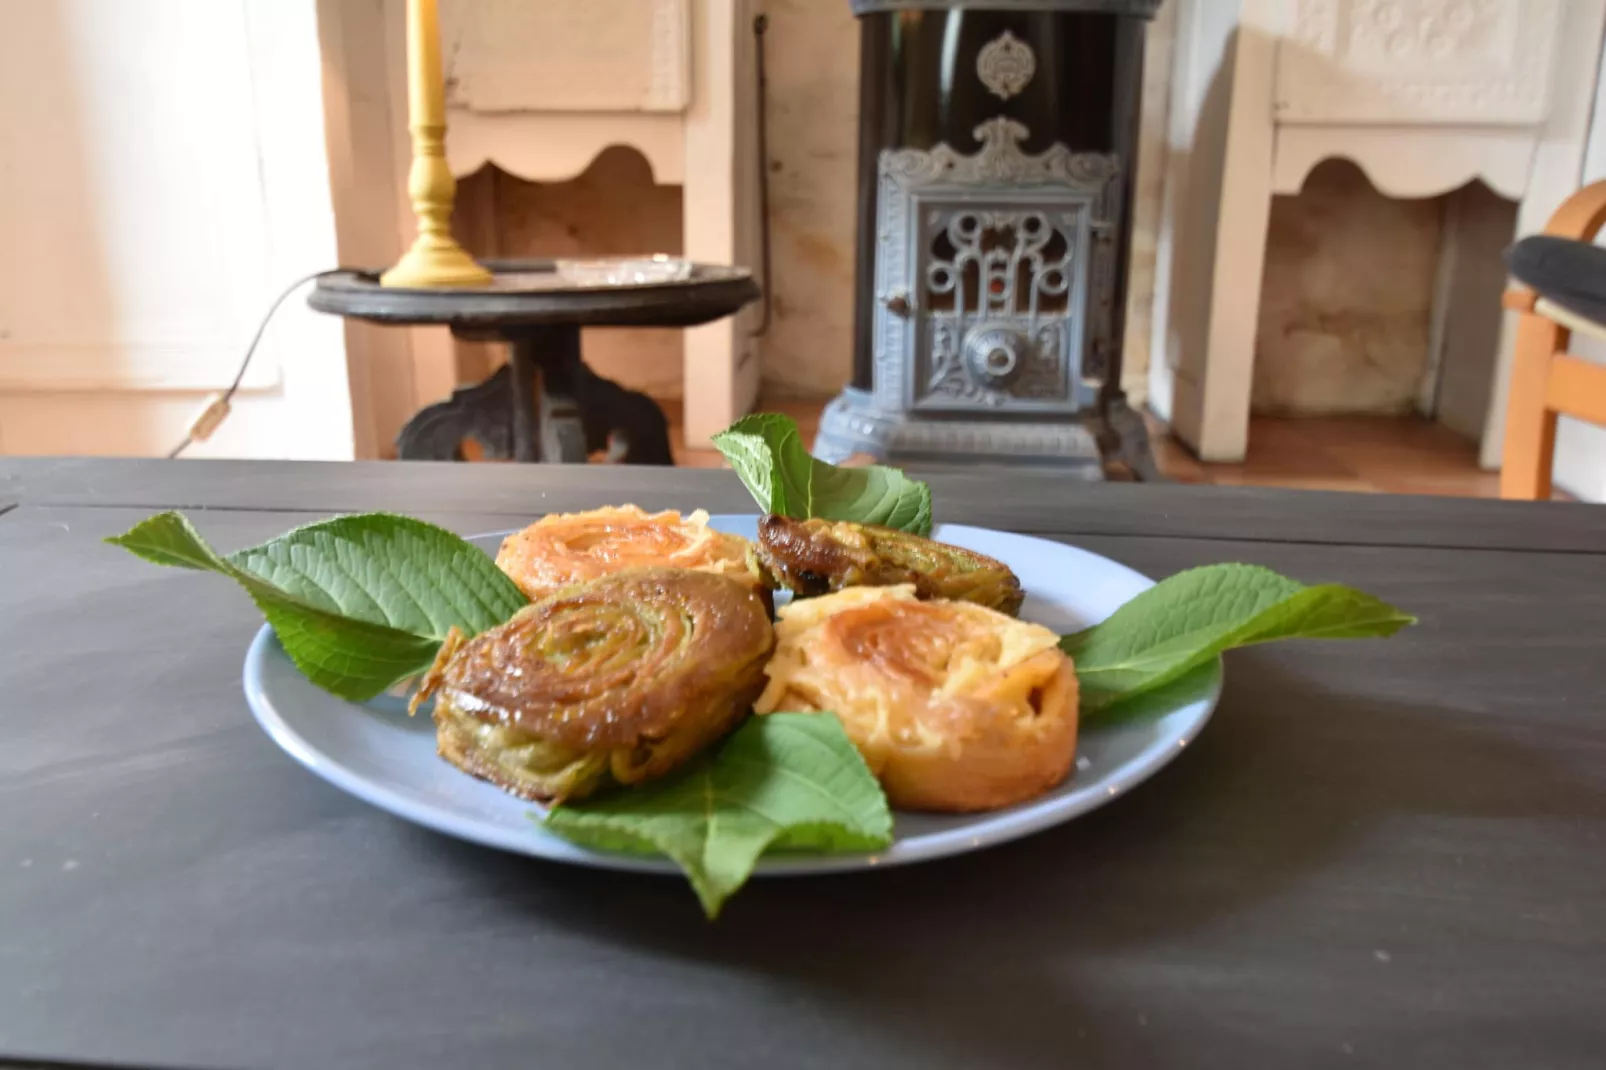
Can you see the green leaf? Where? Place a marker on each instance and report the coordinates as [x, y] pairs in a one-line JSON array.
[[391, 570], [358, 602], [1187, 620], [783, 781], [768, 454]]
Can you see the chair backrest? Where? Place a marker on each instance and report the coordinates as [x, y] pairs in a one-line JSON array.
[[1546, 380]]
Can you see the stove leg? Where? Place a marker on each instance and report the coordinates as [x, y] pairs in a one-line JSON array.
[[1126, 442]]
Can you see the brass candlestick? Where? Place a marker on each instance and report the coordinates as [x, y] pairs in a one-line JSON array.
[[435, 258]]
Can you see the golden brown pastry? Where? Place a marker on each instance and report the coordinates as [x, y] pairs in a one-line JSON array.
[[567, 548], [812, 557], [617, 680], [955, 707]]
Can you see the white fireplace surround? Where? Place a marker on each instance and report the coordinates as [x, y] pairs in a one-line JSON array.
[[1423, 95]]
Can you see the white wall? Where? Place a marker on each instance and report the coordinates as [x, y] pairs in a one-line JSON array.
[[163, 175]]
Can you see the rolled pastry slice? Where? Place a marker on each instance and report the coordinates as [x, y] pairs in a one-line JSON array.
[[812, 557], [567, 548], [955, 707], [613, 681]]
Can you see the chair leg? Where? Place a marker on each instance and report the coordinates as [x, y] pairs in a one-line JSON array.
[[1530, 446]]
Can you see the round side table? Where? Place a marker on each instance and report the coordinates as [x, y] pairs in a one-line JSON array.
[[545, 404]]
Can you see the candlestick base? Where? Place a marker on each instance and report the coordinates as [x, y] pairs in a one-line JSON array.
[[435, 262]]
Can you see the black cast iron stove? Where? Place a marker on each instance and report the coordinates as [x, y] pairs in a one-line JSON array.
[[997, 140]]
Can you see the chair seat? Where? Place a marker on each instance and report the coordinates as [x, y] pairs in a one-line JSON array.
[[1569, 319], [1567, 275]]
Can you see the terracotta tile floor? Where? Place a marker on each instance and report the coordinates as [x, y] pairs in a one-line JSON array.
[[1388, 455], [1376, 454]]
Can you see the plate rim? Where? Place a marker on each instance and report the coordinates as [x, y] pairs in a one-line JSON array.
[[982, 831]]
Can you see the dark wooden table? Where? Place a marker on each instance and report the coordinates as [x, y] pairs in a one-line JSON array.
[[1379, 854]]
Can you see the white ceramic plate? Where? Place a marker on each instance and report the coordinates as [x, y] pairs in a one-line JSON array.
[[379, 754]]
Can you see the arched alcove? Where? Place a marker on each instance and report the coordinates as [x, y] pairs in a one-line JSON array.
[[614, 207], [1380, 304]]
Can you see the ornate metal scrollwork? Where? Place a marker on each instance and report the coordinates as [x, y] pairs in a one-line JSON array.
[[999, 258], [1006, 65]]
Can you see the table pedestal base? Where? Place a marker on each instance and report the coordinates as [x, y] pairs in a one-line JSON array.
[[543, 405]]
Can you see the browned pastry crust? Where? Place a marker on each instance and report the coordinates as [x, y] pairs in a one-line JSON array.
[[455, 741], [814, 557], [955, 707], [620, 679], [567, 548]]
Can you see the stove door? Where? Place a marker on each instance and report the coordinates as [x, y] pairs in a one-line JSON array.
[[1001, 287], [995, 275]]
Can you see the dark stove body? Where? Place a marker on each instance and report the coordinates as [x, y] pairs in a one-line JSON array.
[[997, 142]]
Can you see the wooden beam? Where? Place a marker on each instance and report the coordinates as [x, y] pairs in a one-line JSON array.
[[1577, 387]]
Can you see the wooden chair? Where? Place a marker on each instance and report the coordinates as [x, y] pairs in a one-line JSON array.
[[1546, 380]]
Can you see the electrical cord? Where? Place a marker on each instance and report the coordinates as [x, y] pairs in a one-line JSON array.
[[217, 410]]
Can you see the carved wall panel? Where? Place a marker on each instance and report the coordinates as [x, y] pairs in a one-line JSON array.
[[1417, 61], [567, 55]]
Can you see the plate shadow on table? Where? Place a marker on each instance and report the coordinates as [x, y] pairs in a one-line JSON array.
[[1282, 787]]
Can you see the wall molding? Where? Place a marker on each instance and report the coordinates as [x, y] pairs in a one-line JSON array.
[[1409, 162], [550, 147], [1426, 61], [590, 56], [199, 367]]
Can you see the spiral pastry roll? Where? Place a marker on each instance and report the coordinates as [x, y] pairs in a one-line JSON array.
[[812, 557], [568, 548], [954, 707], [614, 681]]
